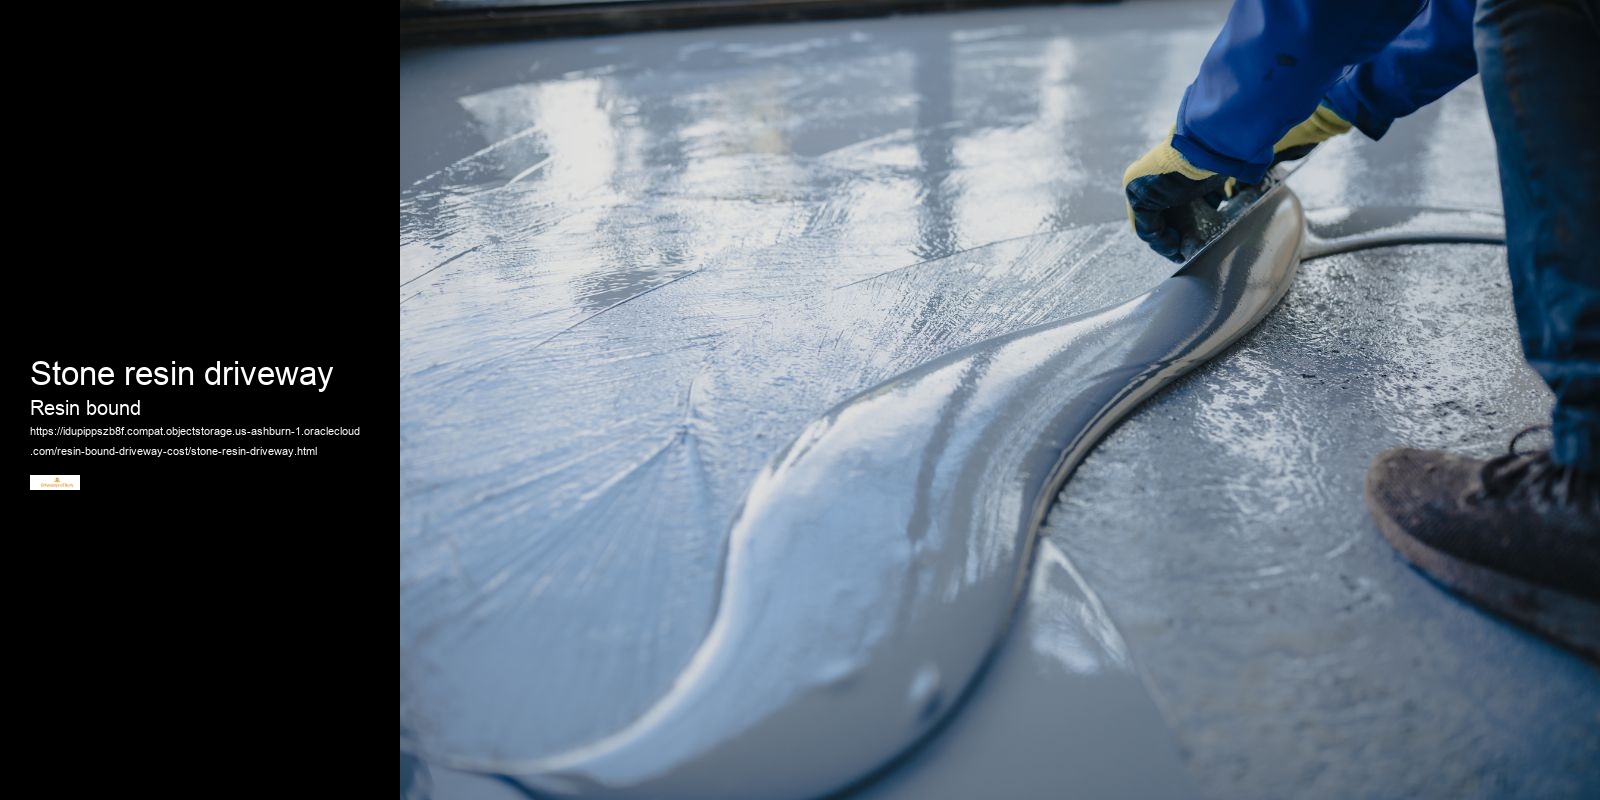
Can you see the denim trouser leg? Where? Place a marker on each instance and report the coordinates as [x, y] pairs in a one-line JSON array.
[[1540, 61]]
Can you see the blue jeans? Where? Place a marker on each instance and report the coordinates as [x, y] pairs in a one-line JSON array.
[[1541, 80], [1540, 61]]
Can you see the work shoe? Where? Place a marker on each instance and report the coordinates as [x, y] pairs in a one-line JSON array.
[[1517, 534]]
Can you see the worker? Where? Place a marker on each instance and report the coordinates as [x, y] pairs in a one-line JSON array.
[[1518, 534]]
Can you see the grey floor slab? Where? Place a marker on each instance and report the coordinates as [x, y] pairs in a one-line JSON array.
[[1293, 651]]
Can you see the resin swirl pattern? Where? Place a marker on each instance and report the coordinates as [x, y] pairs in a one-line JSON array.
[[876, 560]]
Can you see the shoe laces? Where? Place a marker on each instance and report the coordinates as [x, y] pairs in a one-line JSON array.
[[1534, 471]]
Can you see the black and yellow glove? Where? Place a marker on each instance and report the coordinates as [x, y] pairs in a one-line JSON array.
[[1322, 125], [1158, 186], [1299, 141]]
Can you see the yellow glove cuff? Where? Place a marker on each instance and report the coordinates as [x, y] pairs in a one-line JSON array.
[[1321, 126], [1161, 159]]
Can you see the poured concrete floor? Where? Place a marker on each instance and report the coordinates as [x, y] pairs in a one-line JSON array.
[[632, 268]]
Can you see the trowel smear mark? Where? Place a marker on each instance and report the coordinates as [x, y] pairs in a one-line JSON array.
[[1342, 230], [876, 561]]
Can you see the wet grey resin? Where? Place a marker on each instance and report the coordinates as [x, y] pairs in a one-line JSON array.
[[876, 560], [934, 484], [1344, 230]]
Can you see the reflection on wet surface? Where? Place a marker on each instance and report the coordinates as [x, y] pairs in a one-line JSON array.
[[658, 263]]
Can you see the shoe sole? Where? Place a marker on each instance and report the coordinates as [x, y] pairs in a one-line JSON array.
[[1563, 618]]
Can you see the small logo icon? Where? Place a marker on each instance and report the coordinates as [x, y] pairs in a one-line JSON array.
[[50, 483]]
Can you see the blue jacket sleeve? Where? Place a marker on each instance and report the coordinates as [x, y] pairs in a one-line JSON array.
[[1269, 68], [1429, 58]]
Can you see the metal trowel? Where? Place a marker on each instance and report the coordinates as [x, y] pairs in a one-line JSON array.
[[1203, 221]]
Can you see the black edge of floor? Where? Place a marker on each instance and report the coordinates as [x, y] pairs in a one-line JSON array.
[[420, 27]]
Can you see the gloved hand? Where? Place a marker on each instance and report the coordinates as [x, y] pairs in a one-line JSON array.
[[1158, 186], [1298, 142], [1322, 125]]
